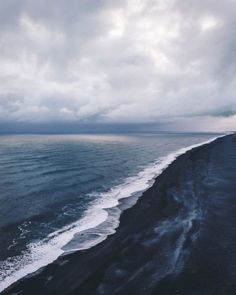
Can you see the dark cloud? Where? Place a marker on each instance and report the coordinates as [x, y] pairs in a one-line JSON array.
[[128, 61]]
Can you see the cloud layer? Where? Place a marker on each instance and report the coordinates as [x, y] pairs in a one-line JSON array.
[[113, 61]]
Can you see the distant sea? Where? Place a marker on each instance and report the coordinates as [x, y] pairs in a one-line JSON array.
[[63, 193]]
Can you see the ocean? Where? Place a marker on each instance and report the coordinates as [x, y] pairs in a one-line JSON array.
[[64, 193]]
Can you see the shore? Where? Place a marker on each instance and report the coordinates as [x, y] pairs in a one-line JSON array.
[[179, 238]]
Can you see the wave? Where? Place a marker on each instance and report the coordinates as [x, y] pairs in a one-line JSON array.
[[99, 221]]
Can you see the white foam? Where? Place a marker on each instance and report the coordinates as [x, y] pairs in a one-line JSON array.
[[48, 250]]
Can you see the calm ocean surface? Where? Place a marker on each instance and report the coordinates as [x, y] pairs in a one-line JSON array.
[[61, 193]]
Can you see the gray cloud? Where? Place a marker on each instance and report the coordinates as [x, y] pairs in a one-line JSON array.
[[128, 61]]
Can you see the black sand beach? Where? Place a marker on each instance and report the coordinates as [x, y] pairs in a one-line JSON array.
[[180, 237]]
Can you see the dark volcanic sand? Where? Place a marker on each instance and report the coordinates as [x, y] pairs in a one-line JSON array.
[[180, 237]]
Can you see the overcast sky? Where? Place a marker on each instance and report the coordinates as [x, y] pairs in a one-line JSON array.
[[167, 62]]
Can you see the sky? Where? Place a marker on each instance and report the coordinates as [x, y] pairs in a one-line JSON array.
[[165, 63]]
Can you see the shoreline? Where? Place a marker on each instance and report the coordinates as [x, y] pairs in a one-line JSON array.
[[44, 278]]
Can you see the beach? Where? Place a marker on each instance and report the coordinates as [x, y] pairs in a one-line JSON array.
[[179, 238]]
